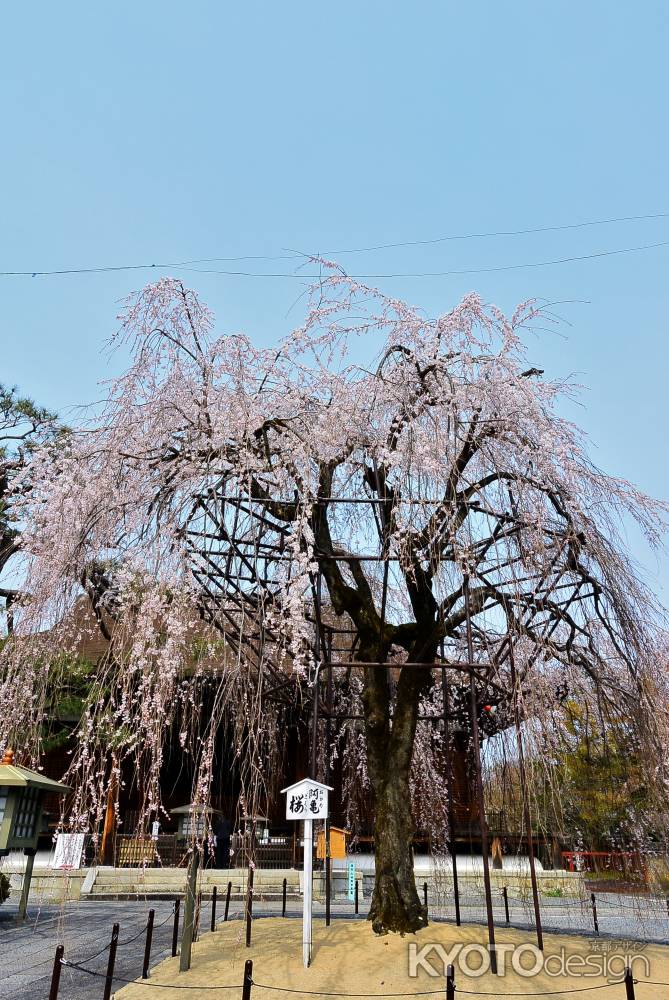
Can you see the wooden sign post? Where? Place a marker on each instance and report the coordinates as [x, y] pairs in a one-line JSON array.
[[307, 800]]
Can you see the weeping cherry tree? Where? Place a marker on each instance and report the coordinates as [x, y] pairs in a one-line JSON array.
[[390, 466]]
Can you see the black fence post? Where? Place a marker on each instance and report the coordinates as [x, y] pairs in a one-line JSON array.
[[505, 897], [213, 910], [227, 901], [450, 983], [629, 984], [249, 907], [113, 945], [147, 945], [328, 884], [175, 928], [594, 912], [283, 900], [248, 979], [357, 900], [456, 897], [55, 975], [425, 894]]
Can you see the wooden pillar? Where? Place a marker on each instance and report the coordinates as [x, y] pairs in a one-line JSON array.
[[109, 829], [27, 879], [189, 911]]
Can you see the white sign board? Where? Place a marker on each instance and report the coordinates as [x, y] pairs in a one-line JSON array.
[[69, 848], [307, 800]]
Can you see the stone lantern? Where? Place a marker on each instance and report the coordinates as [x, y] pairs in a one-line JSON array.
[[22, 793]]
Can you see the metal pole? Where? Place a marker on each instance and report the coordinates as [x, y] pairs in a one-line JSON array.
[[594, 912], [227, 901], [189, 912], [425, 895], [357, 902], [505, 897], [175, 927], [479, 781], [629, 984], [283, 899], [449, 790], [526, 805], [450, 983], [317, 657], [328, 721], [328, 873], [248, 979], [314, 728], [249, 906], [111, 962], [147, 945], [55, 975], [328, 777], [306, 918]]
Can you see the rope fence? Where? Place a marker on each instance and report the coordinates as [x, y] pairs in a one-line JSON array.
[[449, 987], [442, 902]]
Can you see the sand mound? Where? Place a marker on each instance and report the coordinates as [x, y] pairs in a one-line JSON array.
[[348, 958]]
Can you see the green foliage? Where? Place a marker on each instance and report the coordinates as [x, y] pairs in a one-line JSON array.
[[592, 788], [23, 426], [20, 420], [605, 791]]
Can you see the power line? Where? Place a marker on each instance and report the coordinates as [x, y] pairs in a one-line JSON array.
[[189, 265], [441, 274], [136, 267], [510, 232]]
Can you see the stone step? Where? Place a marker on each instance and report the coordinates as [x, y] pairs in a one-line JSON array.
[[122, 883], [172, 880]]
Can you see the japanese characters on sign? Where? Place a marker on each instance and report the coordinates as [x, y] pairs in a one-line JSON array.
[[351, 881], [69, 849], [307, 803]]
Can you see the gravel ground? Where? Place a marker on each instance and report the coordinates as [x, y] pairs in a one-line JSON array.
[[84, 928], [27, 952]]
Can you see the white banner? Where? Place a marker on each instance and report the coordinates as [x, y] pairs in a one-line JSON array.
[[69, 849]]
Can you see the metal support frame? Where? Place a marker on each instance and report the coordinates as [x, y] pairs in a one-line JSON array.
[[236, 558], [526, 805], [449, 792], [476, 746]]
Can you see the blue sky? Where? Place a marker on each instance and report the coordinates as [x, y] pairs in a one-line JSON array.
[[158, 132]]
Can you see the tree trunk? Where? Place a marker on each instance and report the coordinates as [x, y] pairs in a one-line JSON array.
[[395, 905]]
